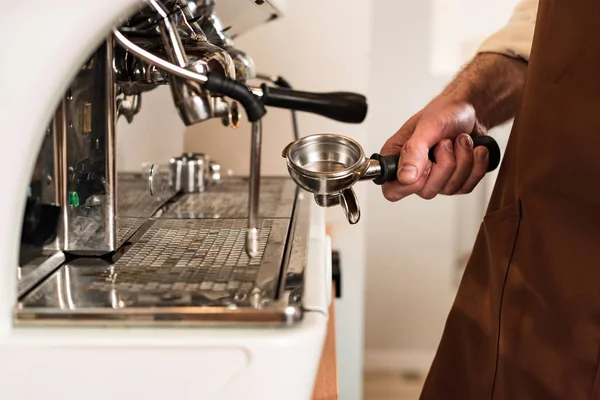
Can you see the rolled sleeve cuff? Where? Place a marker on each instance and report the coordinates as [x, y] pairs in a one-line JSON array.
[[515, 38]]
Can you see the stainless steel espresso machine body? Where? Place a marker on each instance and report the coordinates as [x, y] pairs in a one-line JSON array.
[[174, 243], [121, 273]]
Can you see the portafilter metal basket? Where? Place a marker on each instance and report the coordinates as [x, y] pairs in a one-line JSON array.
[[328, 165]]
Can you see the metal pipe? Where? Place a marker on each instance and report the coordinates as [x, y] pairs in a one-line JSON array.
[[373, 171], [171, 39], [157, 61], [253, 234]]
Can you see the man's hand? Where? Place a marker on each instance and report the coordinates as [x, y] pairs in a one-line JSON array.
[[458, 167], [485, 94]]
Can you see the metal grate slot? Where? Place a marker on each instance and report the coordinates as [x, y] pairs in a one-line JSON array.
[[127, 227], [187, 255]]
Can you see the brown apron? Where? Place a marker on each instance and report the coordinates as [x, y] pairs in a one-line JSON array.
[[526, 320]]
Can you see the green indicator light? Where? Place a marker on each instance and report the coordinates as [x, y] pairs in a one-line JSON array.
[[73, 199]]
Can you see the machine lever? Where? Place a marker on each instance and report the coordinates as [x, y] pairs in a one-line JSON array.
[[340, 106]]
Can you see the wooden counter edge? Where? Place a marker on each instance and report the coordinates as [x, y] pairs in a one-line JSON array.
[[326, 385]]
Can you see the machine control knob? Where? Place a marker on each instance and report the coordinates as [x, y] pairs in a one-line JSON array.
[[154, 180]]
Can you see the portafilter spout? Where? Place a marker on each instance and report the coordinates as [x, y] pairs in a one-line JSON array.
[[328, 165]]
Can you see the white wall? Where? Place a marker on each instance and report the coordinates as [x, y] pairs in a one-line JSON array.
[[413, 245], [155, 135]]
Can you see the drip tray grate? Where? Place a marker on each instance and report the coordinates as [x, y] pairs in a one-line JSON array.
[[127, 227], [186, 264], [187, 255], [175, 263]]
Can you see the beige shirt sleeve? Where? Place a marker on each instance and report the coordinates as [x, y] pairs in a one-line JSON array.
[[515, 38]]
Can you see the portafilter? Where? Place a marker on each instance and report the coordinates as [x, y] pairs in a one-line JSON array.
[[328, 165]]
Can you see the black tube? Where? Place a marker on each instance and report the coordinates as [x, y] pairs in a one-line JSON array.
[[340, 106], [255, 109]]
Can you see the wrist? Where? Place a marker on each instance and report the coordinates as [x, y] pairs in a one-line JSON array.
[[492, 85]]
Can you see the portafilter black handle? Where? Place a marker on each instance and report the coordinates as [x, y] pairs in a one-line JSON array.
[[340, 106], [389, 164]]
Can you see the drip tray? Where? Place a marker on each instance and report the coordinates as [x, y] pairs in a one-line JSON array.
[[187, 265]]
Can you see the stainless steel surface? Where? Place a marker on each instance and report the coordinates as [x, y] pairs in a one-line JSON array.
[[349, 204], [157, 61], [325, 163], [163, 43], [192, 173], [128, 106], [217, 34], [127, 227], [153, 179], [186, 271], [85, 125], [327, 200], [214, 172], [245, 69], [253, 233], [134, 199], [197, 8], [229, 113], [187, 47], [328, 165], [31, 272], [135, 203], [171, 40], [229, 199], [373, 170], [194, 105]]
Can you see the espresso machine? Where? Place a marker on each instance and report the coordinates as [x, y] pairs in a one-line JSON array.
[[175, 281]]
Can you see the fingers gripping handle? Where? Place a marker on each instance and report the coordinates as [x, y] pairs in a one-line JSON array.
[[489, 143], [389, 164]]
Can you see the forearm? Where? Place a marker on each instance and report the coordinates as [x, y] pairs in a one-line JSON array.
[[493, 85]]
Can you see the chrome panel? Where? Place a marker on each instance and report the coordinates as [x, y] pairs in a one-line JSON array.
[[31, 272], [86, 126]]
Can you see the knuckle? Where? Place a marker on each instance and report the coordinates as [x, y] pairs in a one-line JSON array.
[[448, 166], [410, 147], [452, 186], [391, 195], [449, 191], [434, 123], [427, 193]]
